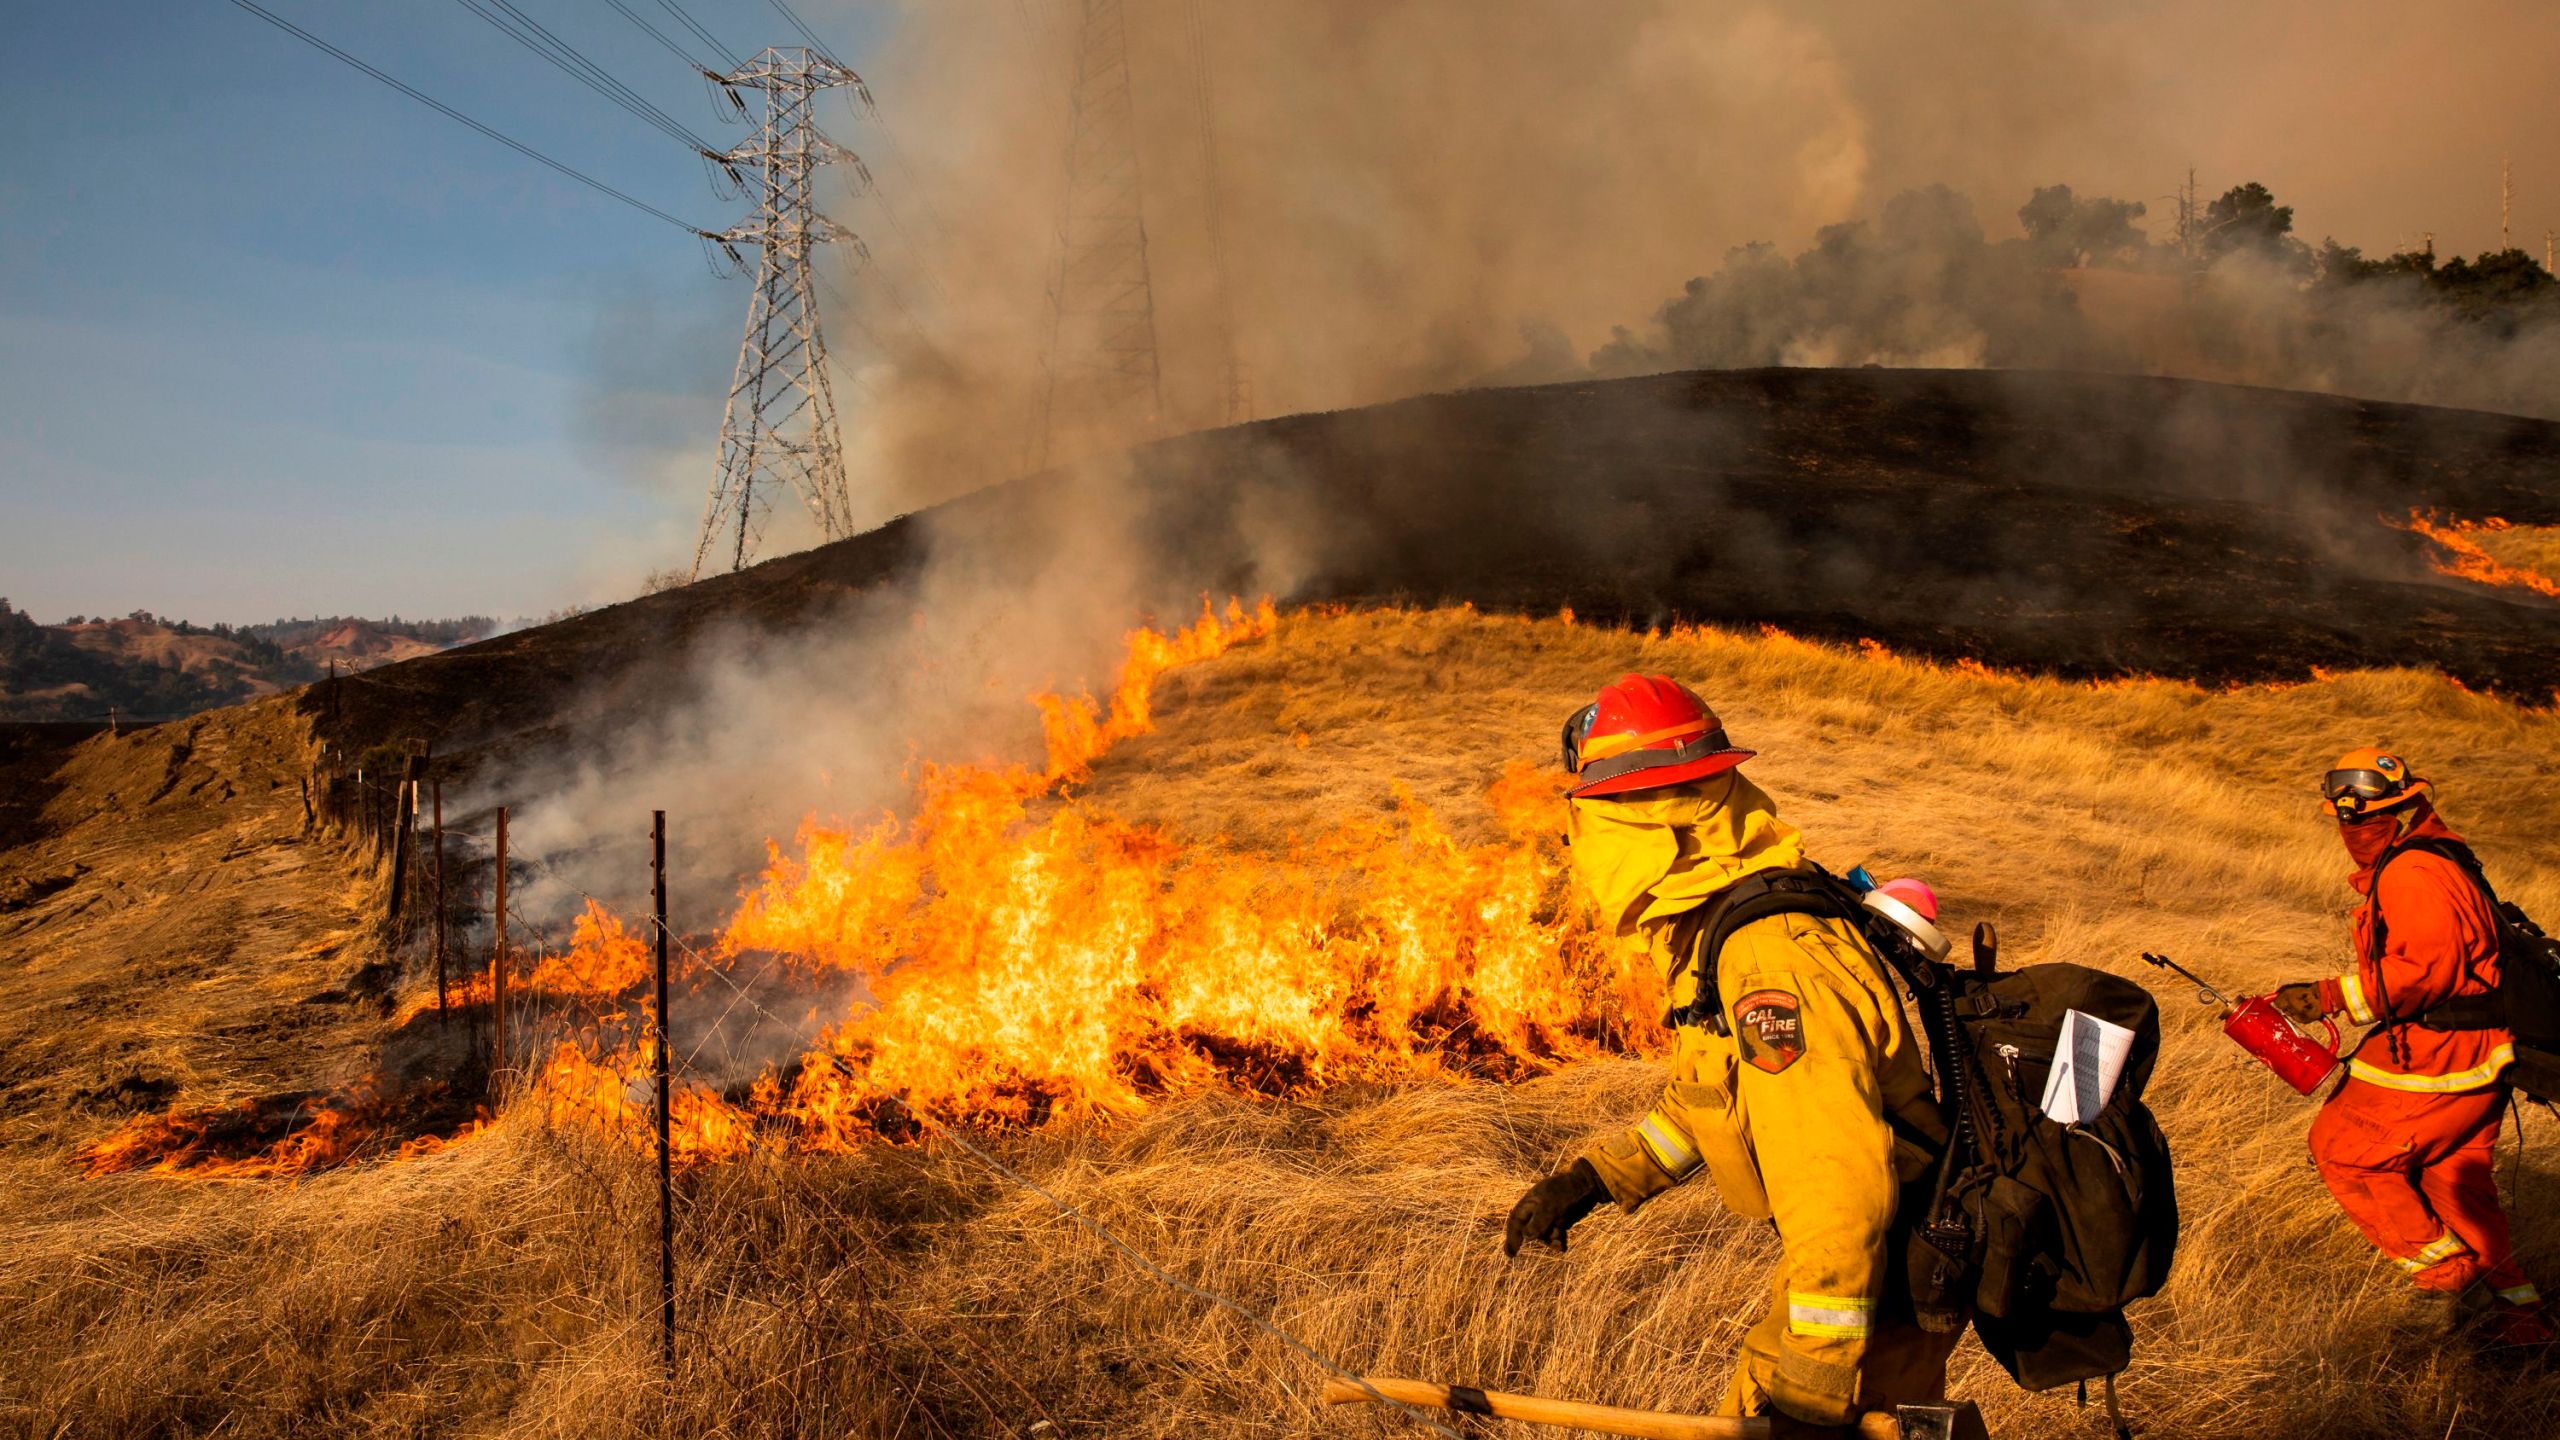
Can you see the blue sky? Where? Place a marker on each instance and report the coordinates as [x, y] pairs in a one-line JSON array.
[[275, 339]]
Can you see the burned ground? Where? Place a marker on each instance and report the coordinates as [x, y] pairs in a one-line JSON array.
[[2077, 524]]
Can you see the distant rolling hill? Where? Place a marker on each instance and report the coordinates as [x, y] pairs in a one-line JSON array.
[[143, 667]]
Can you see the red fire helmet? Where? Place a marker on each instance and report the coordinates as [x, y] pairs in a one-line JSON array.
[[1643, 733]]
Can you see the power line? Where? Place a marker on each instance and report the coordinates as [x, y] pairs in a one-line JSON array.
[[449, 112], [705, 36], [654, 33], [531, 34]]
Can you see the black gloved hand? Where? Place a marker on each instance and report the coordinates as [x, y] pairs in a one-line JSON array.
[[2300, 1002], [1552, 1205]]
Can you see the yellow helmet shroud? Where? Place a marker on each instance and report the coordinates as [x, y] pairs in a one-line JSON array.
[[1649, 856]]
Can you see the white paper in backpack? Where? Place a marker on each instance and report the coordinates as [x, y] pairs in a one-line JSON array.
[[2086, 1065]]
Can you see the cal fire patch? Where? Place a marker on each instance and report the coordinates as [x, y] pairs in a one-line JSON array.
[[1770, 1027]]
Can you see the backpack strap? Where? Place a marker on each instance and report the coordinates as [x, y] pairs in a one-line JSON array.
[[1698, 936], [2468, 1012]]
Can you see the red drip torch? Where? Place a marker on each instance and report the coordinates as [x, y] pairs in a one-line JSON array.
[[2263, 1031]]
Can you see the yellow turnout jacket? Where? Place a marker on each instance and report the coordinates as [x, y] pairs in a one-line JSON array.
[[1788, 1111]]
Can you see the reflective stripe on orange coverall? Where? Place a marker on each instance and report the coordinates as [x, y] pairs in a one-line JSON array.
[[1788, 1115]]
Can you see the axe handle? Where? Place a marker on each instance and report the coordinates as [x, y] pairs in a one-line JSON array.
[[1607, 1419]]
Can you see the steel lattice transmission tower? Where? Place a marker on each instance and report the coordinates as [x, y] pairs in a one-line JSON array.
[[1103, 378], [780, 426]]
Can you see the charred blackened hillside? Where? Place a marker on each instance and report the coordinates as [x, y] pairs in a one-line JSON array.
[[2086, 525]]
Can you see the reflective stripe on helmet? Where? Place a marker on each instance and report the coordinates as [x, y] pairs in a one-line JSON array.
[[1601, 747], [1711, 743]]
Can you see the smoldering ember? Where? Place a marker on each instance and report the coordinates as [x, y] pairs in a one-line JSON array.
[[1455, 718]]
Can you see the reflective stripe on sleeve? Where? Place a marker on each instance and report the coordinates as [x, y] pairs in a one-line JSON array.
[[1663, 1146], [2478, 1077], [2351, 990], [1838, 1317], [2521, 1295]]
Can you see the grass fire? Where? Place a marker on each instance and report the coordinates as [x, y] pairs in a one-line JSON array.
[[1267, 955], [1357, 1006]]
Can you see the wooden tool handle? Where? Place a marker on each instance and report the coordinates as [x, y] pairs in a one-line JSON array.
[[1607, 1419]]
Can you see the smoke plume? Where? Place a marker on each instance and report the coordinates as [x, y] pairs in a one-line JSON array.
[[1436, 193]]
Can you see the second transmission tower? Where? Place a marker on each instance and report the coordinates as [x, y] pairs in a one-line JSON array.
[[780, 426], [1103, 381]]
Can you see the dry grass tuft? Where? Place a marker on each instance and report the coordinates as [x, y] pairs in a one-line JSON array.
[[503, 1287]]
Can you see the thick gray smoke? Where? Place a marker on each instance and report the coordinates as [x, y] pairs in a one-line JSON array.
[[2083, 287], [755, 728]]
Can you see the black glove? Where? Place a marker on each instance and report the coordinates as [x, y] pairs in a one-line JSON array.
[[2300, 1002], [1552, 1205]]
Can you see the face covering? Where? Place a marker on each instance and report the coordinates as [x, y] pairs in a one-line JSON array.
[[2366, 839], [1652, 854]]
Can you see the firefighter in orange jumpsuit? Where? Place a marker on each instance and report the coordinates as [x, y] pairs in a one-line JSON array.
[[2406, 1141], [1796, 1099]]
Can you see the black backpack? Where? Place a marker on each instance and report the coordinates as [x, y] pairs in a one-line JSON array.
[[2048, 1230], [2527, 1000], [2045, 1232]]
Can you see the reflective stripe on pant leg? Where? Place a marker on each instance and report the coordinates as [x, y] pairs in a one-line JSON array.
[[2444, 1247], [2458, 1139], [2521, 1295], [2364, 1158]]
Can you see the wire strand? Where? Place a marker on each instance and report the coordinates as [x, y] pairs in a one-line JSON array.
[[692, 62], [449, 112], [705, 36], [516, 25]]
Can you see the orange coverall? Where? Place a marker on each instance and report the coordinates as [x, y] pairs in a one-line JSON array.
[[2406, 1141]]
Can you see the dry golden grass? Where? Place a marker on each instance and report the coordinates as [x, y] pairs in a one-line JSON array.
[[2531, 547], [502, 1288], [179, 933]]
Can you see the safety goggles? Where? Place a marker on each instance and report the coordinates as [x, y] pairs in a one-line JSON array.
[[2350, 793], [2364, 786], [1577, 730]]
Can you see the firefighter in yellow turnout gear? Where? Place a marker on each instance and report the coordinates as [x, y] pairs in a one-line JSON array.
[[1793, 1108]]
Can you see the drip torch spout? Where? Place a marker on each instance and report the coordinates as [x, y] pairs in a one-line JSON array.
[[2205, 994]]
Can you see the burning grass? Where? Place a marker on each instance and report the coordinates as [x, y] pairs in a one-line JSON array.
[[502, 1286], [2493, 552]]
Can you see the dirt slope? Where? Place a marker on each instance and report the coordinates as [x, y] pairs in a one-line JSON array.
[[177, 931]]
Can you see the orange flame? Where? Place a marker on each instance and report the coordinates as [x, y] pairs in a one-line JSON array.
[[2464, 559], [241, 1141], [1022, 967]]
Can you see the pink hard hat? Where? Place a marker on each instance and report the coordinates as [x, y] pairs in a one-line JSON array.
[[1914, 893]]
